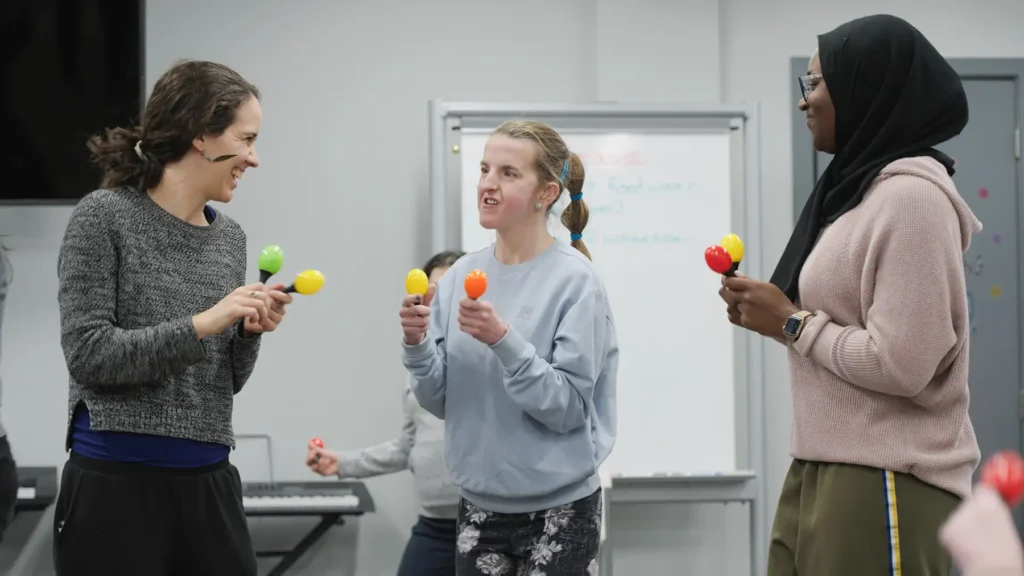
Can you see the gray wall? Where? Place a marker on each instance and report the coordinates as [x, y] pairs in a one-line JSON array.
[[345, 134]]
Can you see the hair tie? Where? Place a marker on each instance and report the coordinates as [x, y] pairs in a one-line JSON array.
[[565, 170], [576, 197], [138, 150], [575, 236]]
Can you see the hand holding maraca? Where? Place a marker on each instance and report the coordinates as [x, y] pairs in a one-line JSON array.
[[321, 460], [415, 310], [752, 304], [276, 299], [249, 303], [756, 305], [478, 318], [981, 535]]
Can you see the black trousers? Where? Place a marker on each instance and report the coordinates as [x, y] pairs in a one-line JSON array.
[[8, 486], [431, 549], [126, 519]]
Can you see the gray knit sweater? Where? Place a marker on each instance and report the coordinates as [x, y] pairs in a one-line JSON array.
[[131, 276]]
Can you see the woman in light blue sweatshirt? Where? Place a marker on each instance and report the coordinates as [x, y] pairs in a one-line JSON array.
[[524, 377], [420, 449]]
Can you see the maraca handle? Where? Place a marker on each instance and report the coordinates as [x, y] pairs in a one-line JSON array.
[[289, 290]]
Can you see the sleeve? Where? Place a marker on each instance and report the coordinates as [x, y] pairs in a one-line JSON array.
[[559, 394], [908, 329], [245, 348], [96, 350], [427, 362], [384, 458]]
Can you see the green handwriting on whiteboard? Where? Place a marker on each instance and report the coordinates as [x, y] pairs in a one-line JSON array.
[[612, 208], [643, 239], [619, 185]]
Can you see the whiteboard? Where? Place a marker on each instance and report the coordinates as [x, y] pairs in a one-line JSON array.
[[657, 200]]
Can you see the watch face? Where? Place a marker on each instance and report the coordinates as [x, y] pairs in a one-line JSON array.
[[792, 325]]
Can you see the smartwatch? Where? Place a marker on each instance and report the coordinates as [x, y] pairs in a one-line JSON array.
[[795, 325]]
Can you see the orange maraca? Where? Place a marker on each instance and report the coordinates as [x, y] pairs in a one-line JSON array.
[[476, 284]]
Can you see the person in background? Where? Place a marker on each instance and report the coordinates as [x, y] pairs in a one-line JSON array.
[[420, 449], [8, 468], [982, 537], [524, 377], [870, 299], [159, 332]]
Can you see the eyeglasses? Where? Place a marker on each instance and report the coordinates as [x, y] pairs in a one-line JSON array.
[[808, 83]]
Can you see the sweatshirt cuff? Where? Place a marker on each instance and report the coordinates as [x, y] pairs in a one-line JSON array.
[[512, 350], [817, 339], [347, 465], [418, 351]]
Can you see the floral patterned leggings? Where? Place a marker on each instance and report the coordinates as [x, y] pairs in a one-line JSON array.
[[561, 541]]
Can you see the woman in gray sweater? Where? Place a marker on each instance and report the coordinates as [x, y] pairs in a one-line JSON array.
[[420, 449]]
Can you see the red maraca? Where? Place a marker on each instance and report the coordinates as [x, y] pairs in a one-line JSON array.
[[718, 259], [319, 444], [1004, 473]]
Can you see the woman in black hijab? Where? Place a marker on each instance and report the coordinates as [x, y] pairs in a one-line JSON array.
[[870, 299]]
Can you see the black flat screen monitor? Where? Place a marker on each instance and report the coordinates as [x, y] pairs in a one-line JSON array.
[[69, 69]]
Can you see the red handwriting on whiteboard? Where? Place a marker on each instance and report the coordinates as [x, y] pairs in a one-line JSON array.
[[611, 159]]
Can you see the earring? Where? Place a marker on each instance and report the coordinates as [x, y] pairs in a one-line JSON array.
[[539, 206]]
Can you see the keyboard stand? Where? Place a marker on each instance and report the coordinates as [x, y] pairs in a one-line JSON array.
[[290, 557], [329, 517]]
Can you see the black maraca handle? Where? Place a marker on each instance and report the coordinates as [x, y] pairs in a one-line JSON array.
[[264, 276]]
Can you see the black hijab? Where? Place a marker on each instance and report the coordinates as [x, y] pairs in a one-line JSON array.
[[895, 97]]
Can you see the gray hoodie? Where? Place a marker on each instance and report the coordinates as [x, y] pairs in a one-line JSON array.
[[420, 449]]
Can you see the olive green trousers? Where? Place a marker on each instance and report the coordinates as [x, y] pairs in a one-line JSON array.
[[845, 520]]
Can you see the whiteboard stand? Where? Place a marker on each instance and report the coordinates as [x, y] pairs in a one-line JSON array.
[[744, 480]]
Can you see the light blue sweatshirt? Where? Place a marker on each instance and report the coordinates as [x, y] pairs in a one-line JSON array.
[[529, 419]]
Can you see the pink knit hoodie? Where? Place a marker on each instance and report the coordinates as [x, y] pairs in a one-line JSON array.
[[880, 373]]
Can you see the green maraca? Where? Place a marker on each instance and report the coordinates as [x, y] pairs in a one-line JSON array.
[[271, 259]]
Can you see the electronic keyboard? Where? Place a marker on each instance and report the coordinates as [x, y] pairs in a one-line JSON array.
[[37, 488], [302, 498]]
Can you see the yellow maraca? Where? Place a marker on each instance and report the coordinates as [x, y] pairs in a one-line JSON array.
[[734, 246], [307, 282], [417, 282]]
